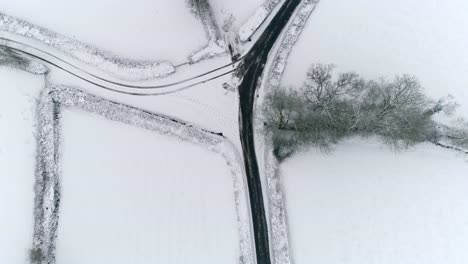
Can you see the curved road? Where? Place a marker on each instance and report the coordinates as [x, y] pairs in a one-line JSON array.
[[254, 63]]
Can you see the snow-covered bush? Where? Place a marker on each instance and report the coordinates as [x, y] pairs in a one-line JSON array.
[[35, 256], [328, 108], [457, 134], [14, 59], [11, 58]]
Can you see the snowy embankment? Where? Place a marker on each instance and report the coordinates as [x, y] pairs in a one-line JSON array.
[[364, 203], [19, 93], [157, 199], [138, 125]]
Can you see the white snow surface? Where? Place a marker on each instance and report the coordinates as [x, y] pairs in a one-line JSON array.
[[138, 29], [365, 204], [384, 38], [150, 196], [18, 94], [241, 10]]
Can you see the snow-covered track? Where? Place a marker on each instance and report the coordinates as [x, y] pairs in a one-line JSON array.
[[94, 76]]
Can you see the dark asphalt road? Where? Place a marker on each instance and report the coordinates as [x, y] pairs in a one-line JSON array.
[[253, 67]]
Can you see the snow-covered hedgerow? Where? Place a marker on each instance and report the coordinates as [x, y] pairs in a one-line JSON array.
[[203, 11], [213, 49], [48, 173], [47, 187], [20, 61], [256, 20], [216, 45], [126, 69]]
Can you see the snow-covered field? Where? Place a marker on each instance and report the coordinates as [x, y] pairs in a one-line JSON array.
[[141, 29], [129, 195], [240, 10], [384, 38], [17, 159], [133, 196], [364, 204]]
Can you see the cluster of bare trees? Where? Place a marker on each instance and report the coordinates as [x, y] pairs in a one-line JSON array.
[[328, 108]]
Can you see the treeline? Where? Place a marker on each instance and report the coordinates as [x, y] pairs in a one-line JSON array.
[[328, 108]]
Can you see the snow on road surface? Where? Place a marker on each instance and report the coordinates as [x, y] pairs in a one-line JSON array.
[[141, 29], [18, 94], [384, 38], [133, 196], [364, 204]]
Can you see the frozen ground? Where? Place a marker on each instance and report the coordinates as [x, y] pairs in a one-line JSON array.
[[364, 204], [375, 38], [18, 94], [133, 196], [140, 29]]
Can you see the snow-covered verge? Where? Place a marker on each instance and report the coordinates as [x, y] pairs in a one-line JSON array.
[[279, 235], [364, 203], [126, 69], [154, 197], [57, 97], [18, 97]]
